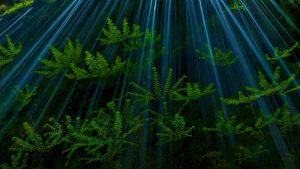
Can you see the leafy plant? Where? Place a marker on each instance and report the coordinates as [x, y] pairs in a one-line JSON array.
[[24, 97], [17, 161], [177, 91], [266, 88], [284, 119], [18, 6], [217, 57], [244, 153], [62, 60], [227, 127], [98, 67], [7, 54], [281, 54]]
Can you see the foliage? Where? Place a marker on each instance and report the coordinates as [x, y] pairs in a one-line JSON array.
[[237, 5], [35, 142], [18, 6], [98, 67], [173, 91], [217, 57], [115, 35], [281, 54], [173, 129], [245, 153], [25, 96], [266, 88], [18, 161], [284, 119], [101, 138], [228, 126], [7, 54], [62, 60]]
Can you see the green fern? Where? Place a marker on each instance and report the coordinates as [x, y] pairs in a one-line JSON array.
[[18, 6], [281, 54], [24, 97], [131, 40], [62, 60], [176, 91], [98, 67], [266, 88], [35, 142], [174, 129], [245, 153], [284, 119], [17, 161], [7, 54], [229, 126], [219, 58]]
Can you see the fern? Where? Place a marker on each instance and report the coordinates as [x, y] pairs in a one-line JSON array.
[[131, 40], [18, 161], [218, 57], [284, 119], [245, 153], [98, 67], [62, 60], [174, 129], [36, 142], [24, 97], [266, 88], [281, 54], [7, 54], [229, 126], [237, 5], [18, 6], [176, 91]]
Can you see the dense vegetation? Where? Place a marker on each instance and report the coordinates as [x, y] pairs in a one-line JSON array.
[[111, 134]]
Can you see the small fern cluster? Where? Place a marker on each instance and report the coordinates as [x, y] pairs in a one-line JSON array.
[[178, 91], [266, 88], [217, 57], [7, 54]]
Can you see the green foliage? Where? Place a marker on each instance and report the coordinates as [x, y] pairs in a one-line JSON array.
[[35, 142], [130, 37], [176, 91], [217, 57], [245, 153], [24, 97], [130, 40], [18, 7], [174, 129], [229, 126], [281, 54], [18, 161], [284, 119], [7, 54], [98, 67], [266, 88], [237, 5], [62, 60]]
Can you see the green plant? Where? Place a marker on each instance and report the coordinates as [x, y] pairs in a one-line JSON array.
[[62, 60], [266, 88], [176, 91], [17, 161], [229, 126], [115, 35], [217, 57], [245, 153], [98, 67], [24, 97], [281, 54], [284, 119], [7, 54], [18, 6]]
